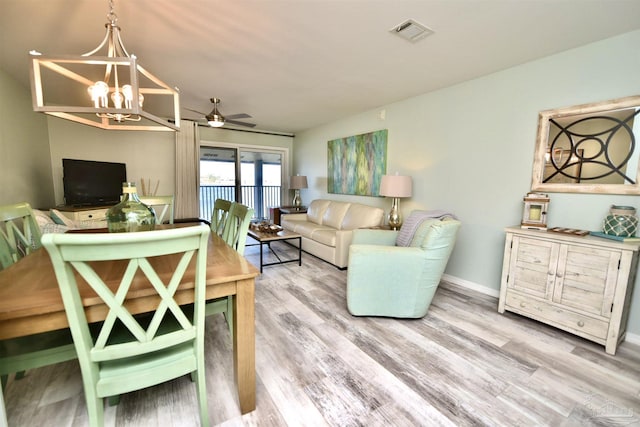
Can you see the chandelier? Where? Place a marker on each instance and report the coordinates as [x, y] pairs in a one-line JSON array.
[[104, 88]]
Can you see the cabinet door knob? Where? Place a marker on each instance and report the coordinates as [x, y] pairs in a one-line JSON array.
[[522, 304], [580, 323]]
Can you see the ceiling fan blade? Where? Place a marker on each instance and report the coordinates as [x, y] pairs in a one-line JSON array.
[[193, 119], [238, 116], [234, 122], [195, 111]]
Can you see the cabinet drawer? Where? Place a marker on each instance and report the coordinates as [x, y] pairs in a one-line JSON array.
[[91, 215], [573, 322]]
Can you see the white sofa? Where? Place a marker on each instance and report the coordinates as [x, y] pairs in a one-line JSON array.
[[328, 225]]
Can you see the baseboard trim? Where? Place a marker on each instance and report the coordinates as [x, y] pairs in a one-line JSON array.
[[629, 337], [471, 285], [632, 338]]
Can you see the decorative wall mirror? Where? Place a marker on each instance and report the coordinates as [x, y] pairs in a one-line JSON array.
[[590, 148]]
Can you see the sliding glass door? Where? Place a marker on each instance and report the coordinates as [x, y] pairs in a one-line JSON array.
[[248, 175]]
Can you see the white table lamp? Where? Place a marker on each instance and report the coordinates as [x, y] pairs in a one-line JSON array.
[[297, 182], [395, 186]]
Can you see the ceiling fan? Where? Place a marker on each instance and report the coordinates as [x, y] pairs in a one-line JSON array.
[[216, 120]]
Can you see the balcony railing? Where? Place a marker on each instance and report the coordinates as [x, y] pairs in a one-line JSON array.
[[260, 198]]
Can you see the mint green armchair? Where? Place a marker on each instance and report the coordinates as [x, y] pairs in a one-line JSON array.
[[398, 281]]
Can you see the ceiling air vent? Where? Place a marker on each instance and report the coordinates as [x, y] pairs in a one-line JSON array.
[[411, 30]]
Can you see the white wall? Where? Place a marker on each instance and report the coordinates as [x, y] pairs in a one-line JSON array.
[[469, 149], [148, 155], [25, 162]]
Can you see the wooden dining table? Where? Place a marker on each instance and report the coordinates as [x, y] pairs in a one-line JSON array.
[[30, 302]]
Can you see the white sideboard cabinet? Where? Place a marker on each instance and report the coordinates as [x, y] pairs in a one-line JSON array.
[[582, 285], [84, 213]]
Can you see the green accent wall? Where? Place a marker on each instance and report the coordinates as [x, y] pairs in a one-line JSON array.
[[25, 160]]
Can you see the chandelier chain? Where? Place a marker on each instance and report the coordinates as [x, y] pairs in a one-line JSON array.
[[111, 16]]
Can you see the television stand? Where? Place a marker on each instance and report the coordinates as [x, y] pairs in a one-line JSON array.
[[84, 213]]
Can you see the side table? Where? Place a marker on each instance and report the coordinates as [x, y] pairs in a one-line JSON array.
[[276, 211]]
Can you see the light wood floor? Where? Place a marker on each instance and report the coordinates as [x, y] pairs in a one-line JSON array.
[[464, 364]]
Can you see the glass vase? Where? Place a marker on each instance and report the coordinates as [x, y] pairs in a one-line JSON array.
[[130, 214], [621, 221]]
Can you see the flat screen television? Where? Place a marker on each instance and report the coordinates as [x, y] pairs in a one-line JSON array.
[[92, 183]]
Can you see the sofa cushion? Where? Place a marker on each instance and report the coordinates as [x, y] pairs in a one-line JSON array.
[[306, 228], [334, 214], [326, 236], [361, 216], [316, 209]]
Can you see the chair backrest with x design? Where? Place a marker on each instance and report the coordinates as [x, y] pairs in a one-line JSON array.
[[6, 259], [219, 216], [237, 225], [162, 206], [19, 229], [129, 352]]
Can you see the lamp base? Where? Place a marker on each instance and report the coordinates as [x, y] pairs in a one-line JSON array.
[[395, 218], [297, 201]]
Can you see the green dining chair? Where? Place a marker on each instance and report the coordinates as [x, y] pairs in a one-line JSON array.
[[134, 352], [19, 236], [235, 235], [162, 206], [19, 228], [237, 226], [219, 216], [6, 257]]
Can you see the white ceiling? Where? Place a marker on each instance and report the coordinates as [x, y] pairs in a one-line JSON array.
[[296, 64]]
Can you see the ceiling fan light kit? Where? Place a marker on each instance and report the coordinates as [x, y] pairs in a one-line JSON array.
[[77, 88], [216, 120]]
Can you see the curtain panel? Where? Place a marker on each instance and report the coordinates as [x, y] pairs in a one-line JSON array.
[[187, 167]]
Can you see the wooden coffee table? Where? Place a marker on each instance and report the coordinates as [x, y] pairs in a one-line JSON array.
[[266, 239]]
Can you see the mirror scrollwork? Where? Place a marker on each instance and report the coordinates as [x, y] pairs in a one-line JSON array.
[[590, 148]]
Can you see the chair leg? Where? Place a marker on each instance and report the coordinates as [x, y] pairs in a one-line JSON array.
[[95, 409], [201, 390]]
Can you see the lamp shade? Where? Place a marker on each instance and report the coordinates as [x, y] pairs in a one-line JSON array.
[[298, 182], [396, 186]]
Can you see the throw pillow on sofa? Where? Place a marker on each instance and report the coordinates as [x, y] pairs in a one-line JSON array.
[[59, 218], [46, 223], [42, 218]]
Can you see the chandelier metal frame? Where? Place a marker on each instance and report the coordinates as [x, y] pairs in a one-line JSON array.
[[72, 87]]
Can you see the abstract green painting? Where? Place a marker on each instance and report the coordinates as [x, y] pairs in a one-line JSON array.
[[356, 163]]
